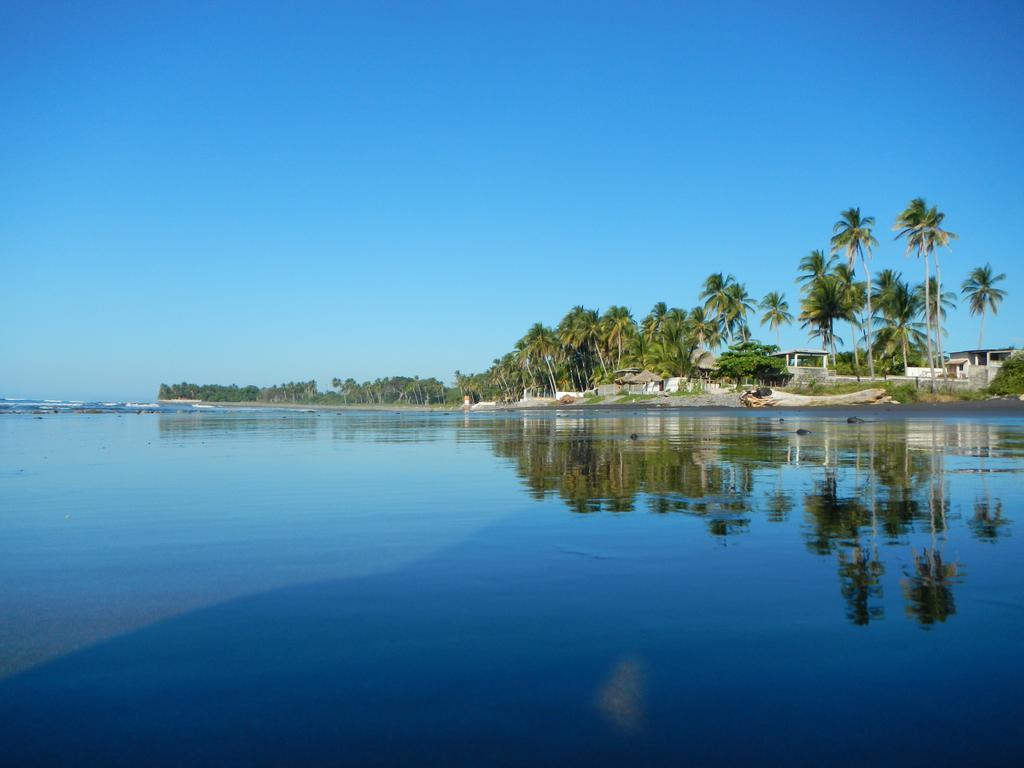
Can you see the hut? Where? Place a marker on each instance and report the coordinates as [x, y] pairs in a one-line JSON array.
[[638, 383], [702, 363]]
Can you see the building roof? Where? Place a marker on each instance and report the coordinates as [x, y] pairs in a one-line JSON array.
[[644, 377], [957, 360], [982, 351], [703, 359], [788, 352]]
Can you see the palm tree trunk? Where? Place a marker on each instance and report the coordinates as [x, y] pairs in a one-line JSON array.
[[928, 319], [601, 357], [903, 344], [871, 357], [938, 313], [853, 337], [981, 331]]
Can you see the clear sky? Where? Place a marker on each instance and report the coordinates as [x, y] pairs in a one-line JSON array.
[[253, 193]]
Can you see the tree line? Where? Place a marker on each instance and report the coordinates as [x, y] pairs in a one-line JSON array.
[[390, 390], [889, 325]]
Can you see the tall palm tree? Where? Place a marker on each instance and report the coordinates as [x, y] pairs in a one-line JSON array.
[[618, 327], [852, 234], [715, 294], [776, 312], [937, 305], [981, 293], [901, 306], [855, 297], [940, 238], [885, 281], [813, 267], [591, 332], [540, 346], [652, 323], [705, 330], [921, 226], [736, 305], [825, 303], [911, 225]]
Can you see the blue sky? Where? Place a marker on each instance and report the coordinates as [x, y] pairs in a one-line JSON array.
[[251, 193]]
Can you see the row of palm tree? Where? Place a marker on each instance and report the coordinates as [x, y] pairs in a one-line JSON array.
[[887, 316]]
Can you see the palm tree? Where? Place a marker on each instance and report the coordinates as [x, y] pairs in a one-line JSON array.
[[813, 267], [737, 304], [940, 239], [715, 294], [937, 308], [980, 290], [544, 342], [921, 227], [901, 306], [590, 333], [911, 225], [855, 296], [703, 329], [825, 303], [886, 280], [618, 327], [852, 233], [776, 312], [652, 323]]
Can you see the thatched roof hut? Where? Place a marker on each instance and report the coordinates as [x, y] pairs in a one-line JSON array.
[[643, 377], [703, 360]]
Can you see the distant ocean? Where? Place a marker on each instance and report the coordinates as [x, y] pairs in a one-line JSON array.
[[29, 405]]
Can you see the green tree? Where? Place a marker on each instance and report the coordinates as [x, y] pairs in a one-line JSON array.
[[813, 267], [901, 306], [855, 298], [750, 360], [703, 328], [982, 294], [776, 312], [618, 328], [921, 227], [825, 303], [852, 234]]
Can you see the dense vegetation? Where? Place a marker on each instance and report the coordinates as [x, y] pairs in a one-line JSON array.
[[888, 325], [1010, 379], [410, 390]]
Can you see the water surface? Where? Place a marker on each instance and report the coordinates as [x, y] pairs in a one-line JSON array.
[[275, 587]]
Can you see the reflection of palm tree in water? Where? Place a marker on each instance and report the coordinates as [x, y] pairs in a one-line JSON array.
[[837, 522], [988, 522], [878, 481], [860, 568], [929, 588], [860, 579]]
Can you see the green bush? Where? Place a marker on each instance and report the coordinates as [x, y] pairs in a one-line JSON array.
[[1010, 379], [751, 360]]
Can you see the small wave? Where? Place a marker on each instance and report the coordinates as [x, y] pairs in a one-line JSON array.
[[142, 405]]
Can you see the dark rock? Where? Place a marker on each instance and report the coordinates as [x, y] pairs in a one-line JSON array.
[[633, 436], [855, 420], [803, 432]]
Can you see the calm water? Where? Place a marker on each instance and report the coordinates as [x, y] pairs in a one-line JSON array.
[[380, 589]]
